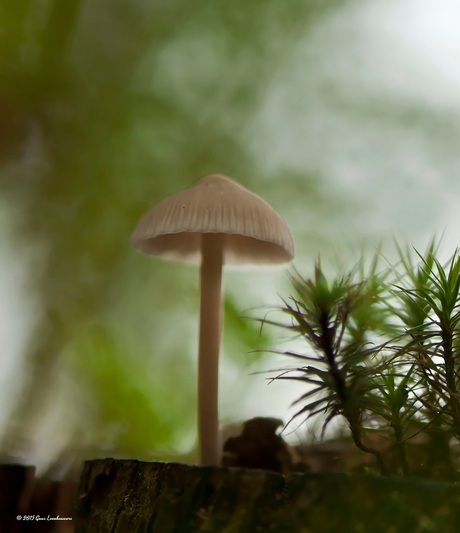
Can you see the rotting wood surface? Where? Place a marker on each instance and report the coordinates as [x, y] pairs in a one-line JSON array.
[[127, 496]]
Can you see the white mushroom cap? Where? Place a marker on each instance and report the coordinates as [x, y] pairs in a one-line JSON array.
[[254, 232]]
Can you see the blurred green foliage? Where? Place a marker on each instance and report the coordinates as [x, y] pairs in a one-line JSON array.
[[131, 394], [107, 107]]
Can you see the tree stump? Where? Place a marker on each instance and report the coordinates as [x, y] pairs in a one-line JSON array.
[[120, 496]]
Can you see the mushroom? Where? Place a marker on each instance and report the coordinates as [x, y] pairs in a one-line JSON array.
[[215, 221]]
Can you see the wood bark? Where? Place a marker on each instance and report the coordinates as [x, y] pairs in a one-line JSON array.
[[121, 496]]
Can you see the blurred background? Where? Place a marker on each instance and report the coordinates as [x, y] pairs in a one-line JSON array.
[[343, 114]]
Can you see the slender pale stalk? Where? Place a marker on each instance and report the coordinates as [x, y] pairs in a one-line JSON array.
[[209, 347]]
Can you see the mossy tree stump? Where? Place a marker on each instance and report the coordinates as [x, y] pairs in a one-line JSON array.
[[118, 496]]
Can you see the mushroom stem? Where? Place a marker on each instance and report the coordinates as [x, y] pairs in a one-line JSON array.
[[209, 346]]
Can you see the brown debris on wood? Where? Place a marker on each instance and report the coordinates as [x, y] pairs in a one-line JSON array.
[[258, 446]]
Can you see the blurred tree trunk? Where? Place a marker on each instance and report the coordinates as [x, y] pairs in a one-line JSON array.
[[60, 27], [14, 495], [24, 498]]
